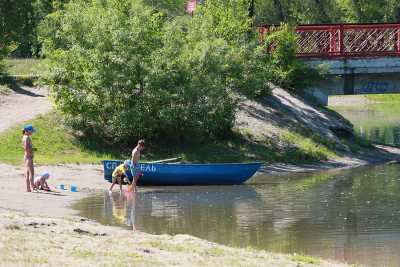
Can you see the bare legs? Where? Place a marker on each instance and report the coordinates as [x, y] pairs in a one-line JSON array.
[[28, 183], [135, 179], [29, 173], [119, 180]]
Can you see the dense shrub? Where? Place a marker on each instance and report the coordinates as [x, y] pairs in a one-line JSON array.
[[284, 68], [119, 70]]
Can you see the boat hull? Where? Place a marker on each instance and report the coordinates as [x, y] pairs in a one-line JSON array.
[[189, 174]]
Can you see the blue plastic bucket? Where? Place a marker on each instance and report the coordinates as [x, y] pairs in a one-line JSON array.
[[61, 186], [74, 188]]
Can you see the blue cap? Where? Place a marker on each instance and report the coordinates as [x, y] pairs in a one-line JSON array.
[[29, 128], [127, 162]]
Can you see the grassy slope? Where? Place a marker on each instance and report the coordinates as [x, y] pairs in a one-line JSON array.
[[55, 144], [25, 66], [385, 98]]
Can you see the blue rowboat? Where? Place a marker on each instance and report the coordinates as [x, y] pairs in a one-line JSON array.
[[188, 174]]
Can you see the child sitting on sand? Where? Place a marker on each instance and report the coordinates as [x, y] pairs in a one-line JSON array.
[[40, 182], [119, 174]]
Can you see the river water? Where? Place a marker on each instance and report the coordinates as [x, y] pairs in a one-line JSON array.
[[379, 123], [351, 216]]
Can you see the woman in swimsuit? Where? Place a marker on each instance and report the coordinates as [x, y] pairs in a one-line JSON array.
[[28, 156]]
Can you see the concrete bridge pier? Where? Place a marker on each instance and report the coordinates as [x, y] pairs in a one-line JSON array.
[[375, 75]]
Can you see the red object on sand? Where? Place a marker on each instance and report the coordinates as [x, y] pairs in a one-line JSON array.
[[191, 6]]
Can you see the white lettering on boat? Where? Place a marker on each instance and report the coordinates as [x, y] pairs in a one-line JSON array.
[[111, 165], [148, 168], [143, 167]]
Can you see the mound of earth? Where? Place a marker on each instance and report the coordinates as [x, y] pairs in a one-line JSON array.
[[280, 112]]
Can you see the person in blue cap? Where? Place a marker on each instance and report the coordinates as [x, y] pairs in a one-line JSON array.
[[27, 131]]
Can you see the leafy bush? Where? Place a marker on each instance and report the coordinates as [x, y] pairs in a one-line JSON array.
[[6, 48], [120, 70], [229, 20], [285, 69]]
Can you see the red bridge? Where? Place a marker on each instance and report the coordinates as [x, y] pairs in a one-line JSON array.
[[345, 40]]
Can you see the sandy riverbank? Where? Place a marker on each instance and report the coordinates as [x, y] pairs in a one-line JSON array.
[[30, 219], [45, 222], [41, 241], [380, 155], [89, 179]]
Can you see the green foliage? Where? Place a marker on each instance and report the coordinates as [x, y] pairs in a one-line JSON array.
[[384, 98], [285, 69], [305, 259], [141, 75], [24, 67], [19, 20], [171, 7], [15, 21], [326, 11], [226, 19], [5, 49], [193, 78], [54, 145], [296, 11]]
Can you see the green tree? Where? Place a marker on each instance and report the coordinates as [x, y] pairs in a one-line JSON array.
[[297, 12], [285, 69], [393, 11], [19, 20], [171, 7], [13, 17], [121, 70]]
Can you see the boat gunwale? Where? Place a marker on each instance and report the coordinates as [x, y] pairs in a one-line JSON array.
[[196, 164]]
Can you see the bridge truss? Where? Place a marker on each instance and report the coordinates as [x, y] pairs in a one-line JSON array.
[[345, 40]]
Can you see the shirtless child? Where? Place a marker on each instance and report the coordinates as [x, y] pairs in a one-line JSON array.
[[135, 167]]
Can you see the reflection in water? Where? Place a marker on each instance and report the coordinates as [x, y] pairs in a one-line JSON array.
[[377, 123], [351, 216]]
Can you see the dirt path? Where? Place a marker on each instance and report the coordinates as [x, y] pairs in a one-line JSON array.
[[22, 105]]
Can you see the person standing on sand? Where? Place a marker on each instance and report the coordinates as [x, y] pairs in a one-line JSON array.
[[135, 167], [28, 156]]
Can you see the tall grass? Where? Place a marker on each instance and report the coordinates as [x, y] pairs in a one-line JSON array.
[[54, 144], [24, 67]]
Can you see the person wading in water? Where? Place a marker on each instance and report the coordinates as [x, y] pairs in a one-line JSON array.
[[135, 166], [28, 156]]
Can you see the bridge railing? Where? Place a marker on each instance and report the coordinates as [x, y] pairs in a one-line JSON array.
[[345, 40]]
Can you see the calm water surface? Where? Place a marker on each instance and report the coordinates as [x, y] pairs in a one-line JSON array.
[[379, 123], [351, 216]]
